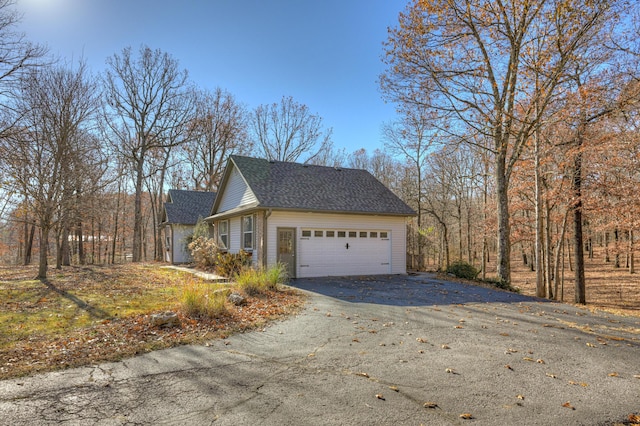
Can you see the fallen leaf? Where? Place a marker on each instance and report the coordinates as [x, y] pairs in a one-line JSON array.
[[568, 405], [510, 351], [591, 345], [553, 376], [356, 340], [430, 404], [526, 358], [504, 334], [458, 326], [614, 374], [508, 367], [421, 340], [636, 376], [466, 416], [380, 396], [634, 418], [362, 374], [394, 388], [445, 347], [520, 397]]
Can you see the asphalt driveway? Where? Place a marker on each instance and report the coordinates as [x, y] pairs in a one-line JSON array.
[[367, 351]]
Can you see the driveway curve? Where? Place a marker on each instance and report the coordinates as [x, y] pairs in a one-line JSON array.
[[404, 350]]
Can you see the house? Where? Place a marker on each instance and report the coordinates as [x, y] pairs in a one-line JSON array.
[[181, 213], [318, 221]]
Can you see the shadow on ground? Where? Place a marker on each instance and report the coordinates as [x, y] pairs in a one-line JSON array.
[[422, 289]]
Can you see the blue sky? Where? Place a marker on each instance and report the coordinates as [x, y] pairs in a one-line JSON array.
[[324, 53]]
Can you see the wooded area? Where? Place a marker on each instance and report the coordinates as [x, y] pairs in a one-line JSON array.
[[516, 140]]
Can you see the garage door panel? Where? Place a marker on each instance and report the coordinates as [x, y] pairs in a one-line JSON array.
[[327, 256]]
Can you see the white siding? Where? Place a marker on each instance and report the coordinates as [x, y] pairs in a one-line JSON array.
[[236, 193], [180, 234], [234, 234], [395, 226]]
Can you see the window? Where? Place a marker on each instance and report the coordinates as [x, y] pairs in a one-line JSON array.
[[352, 234], [223, 233], [317, 233], [363, 234], [247, 232], [383, 235], [342, 234], [373, 234], [306, 233], [331, 234]]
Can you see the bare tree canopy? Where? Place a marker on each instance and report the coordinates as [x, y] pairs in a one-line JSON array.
[[288, 131], [490, 68], [149, 106], [219, 130], [47, 155]]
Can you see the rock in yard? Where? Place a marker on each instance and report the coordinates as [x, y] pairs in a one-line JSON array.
[[236, 298], [165, 319]]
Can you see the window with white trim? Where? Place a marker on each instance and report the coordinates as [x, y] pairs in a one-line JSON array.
[[247, 232], [223, 233]]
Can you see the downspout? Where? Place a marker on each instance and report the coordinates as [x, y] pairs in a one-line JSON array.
[[264, 238]]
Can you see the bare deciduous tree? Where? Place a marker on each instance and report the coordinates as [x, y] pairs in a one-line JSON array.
[[219, 130], [472, 64], [288, 131], [148, 105], [52, 109]]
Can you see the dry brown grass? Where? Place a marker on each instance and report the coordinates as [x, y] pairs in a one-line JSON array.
[[84, 315], [607, 288]]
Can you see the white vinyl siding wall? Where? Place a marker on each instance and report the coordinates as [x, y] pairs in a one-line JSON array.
[[179, 236], [236, 238], [394, 225], [236, 193]]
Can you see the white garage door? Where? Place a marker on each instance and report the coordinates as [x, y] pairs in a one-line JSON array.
[[336, 252]]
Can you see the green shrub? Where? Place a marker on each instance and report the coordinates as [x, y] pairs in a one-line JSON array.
[[200, 301], [230, 264], [462, 269], [257, 281], [496, 282], [250, 281], [204, 251], [275, 275]]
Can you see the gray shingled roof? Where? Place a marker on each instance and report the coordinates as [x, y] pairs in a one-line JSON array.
[[185, 207], [295, 186]]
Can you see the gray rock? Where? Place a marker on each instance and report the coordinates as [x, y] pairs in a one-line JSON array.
[[165, 319], [237, 299]]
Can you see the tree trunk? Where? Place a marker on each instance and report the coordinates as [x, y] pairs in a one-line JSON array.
[[616, 238], [44, 252], [29, 247], [81, 254], [548, 252], [137, 213], [504, 231], [560, 254], [540, 273], [115, 224], [580, 290], [632, 268]]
